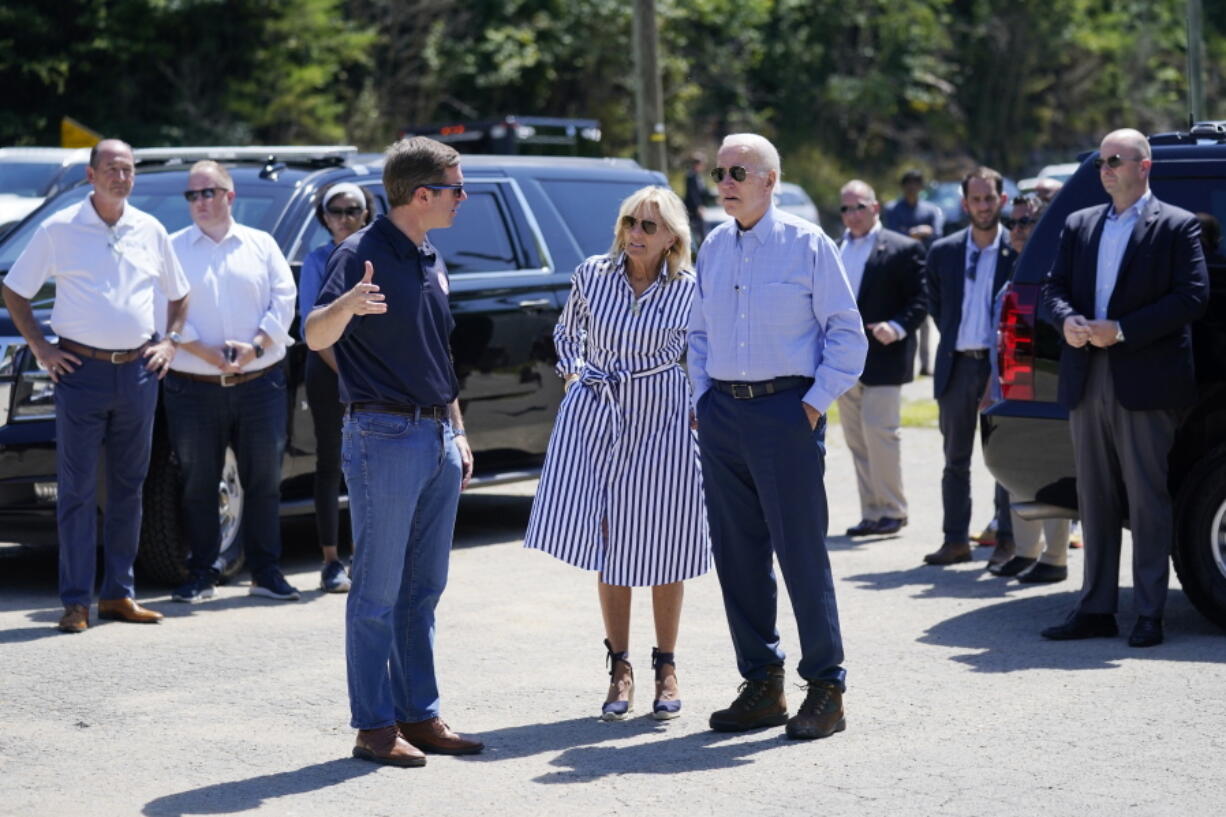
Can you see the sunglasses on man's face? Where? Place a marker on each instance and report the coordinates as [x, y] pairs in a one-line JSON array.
[[1024, 221], [649, 227], [853, 208], [346, 212], [1114, 161], [457, 190], [205, 193], [737, 173]]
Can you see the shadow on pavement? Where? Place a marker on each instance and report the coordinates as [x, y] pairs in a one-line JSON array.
[[969, 580], [245, 795], [490, 519]]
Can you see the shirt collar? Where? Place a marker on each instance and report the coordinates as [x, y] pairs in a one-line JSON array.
[[196, 234], [401, 244], [871, 234], [993, 247], [88, 214], [1134, 211], [760, 230]]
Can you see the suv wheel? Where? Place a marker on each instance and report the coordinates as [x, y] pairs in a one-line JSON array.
[[1200, 542], [163, 546]]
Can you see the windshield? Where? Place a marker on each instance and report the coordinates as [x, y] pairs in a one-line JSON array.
[[27, 178]]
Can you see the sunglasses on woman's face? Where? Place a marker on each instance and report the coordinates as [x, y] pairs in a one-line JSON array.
[[737, 173], [346, 212], [649, 227]]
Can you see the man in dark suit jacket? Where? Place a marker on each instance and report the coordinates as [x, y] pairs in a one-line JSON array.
[[965, 271], [1127, 283], [886, 271]]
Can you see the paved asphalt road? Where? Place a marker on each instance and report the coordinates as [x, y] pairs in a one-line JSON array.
[[955, 705]]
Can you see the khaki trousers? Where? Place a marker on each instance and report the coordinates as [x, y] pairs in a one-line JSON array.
[[871, 420]]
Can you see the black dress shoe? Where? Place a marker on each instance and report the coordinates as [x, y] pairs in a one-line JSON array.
[[865, 527], [1012, 567], [1147, 632], [889, 524], [1083, 625], [1043, 574]]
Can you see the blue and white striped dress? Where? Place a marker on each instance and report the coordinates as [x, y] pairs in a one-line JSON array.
[[622, 449]]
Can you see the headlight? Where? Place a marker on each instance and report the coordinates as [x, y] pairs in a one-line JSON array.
[[33, 397]]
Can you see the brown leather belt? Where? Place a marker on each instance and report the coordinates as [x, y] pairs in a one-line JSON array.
[[224, 380], [117, 357], [439, 413]]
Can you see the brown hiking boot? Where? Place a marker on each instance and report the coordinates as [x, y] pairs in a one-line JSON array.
[[760, 702], [387, 747], [821, 715]]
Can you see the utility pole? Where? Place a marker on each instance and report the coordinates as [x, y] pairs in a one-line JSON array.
[[1196, 59], [648, 88]]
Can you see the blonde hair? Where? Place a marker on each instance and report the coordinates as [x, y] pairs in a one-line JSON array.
[[673, 218], [220, 173]]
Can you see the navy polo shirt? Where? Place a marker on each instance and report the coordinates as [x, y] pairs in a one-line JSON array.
[[404, 354]]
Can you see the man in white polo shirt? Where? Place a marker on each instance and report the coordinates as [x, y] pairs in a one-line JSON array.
[[108, 260], [228, 388]]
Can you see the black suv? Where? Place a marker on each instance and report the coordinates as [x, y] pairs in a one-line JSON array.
[[1026, 440], [526, 225]]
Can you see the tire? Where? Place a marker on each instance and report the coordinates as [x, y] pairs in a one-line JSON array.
[[1199, 553], [163, 545]]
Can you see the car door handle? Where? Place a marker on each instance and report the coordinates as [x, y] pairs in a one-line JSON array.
[[536, 303]]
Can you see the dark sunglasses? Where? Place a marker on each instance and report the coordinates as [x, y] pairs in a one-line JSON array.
[[737, 173], [649, 227], [346, 212], [1024, 221], [853, 208], [205, 193], [1114, 161], [457, 190]]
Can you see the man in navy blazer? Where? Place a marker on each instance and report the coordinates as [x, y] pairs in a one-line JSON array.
[[965, 271], [1127, 283], [886, 272]]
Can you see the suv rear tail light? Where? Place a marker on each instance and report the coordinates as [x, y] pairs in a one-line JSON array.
[[1015, 340]]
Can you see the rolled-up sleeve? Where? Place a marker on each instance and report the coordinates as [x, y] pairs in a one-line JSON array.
[[696, 339], [570, 333], [280, 312]]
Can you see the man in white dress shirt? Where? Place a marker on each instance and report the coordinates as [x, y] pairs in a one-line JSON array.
[[108, 260], [229, 387]]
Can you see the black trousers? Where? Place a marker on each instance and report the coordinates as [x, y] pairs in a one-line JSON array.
[[327, 413], [959, 420]]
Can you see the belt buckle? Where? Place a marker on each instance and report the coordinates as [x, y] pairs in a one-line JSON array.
[[223, 382], [742, 391], [115, 357]]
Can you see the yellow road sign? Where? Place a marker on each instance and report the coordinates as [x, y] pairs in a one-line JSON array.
[[75, 135]]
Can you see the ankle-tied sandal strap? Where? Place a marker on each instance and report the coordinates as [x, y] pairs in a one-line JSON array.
[[612, 658], [659, 659]]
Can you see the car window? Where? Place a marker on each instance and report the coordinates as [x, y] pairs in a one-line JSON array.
[[26, 178], [1201, 195], [479, 240], [589, 209]]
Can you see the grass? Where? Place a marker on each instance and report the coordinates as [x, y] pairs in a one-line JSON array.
[[915, 414]]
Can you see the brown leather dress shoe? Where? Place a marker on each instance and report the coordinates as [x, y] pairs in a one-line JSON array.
[[127, 610], [949, 554], [761, 702], [821, 715], [387, 747], [75, 619], [436, 737]]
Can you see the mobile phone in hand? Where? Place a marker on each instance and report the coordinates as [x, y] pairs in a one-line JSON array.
[[231, 354]]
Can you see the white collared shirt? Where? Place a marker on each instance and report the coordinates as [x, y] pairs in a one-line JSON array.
[[855, 253], [106, 277], [1117, 230], [240, 285], [976, 331]]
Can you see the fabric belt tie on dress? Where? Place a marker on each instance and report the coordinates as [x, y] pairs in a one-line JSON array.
[[223, 380], [118, 357], [748, 391], [439, 413], [605, 382]]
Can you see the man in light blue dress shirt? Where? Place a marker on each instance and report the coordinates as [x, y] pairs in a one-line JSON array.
[[775, 338]]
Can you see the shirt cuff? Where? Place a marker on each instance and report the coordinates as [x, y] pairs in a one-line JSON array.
[[897, 327], [273, 328]]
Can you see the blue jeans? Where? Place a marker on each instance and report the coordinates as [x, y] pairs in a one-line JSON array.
[[101, 405], [404, 485], [203, 418]]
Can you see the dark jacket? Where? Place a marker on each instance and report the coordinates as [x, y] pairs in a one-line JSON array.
[[946, 275], [892, 289], [1163, 286]]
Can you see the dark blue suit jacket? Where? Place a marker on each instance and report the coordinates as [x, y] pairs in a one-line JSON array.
[[892, 289], [946, 276], [1163, 286]]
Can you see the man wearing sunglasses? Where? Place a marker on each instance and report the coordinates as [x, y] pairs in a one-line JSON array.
[[886, 271], [1128, 281], [774, 339], [405, 456], [228, 388]]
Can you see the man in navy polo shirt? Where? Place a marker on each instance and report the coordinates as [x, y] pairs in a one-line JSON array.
[[405, 456]]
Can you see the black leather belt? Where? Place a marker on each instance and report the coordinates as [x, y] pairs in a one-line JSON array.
[[977, 354], [748, 391], [378, 406]]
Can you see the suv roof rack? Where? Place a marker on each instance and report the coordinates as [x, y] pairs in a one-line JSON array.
[[1198, 133], [308, 155]]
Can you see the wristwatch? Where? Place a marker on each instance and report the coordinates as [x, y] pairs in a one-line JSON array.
[[1119, 332], [259, 350], [175, 338]]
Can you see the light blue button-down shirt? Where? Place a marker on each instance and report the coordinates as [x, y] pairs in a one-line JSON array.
[[1116, 232], [774, 301], [976, 330]]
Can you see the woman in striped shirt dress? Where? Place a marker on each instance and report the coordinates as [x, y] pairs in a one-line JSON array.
[[621, 489]]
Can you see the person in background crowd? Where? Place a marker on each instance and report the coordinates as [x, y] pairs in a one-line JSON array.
[[965, 271], [405, 454], [108, 260], [925, 222], [886, 271], [1046, 189], [621, 490], [229, 389], [1128, 282], [696, 196], [1028, 563], [342, 209], [774, 339]]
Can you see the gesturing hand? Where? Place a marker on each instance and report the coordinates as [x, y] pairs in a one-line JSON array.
[[365, 297]]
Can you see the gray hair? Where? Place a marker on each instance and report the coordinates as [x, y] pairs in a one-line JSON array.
[[859, 188], [759, 146]]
